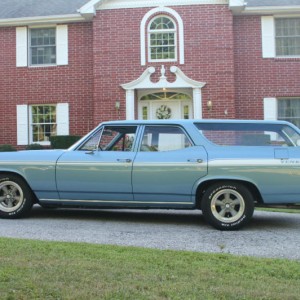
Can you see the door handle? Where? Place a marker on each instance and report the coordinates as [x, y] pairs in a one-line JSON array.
[[196, 160], [126, 160]]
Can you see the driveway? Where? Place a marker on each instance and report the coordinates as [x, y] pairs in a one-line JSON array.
[[268, 235]]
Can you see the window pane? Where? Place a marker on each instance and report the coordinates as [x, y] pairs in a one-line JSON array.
[[162, 39], [247, 134], [43, 122], [164, 138], [42, 46], [289, 110], [287, 32], [117, 138]]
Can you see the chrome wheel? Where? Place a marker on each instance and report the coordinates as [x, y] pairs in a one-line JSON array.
[[227, 205], [11, 196]]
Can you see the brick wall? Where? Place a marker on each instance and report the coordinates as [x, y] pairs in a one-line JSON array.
[[221, 50], [256, 77], [208, 56], [46, 85]]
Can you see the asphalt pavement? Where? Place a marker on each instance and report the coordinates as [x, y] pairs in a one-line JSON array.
[[274, 235]]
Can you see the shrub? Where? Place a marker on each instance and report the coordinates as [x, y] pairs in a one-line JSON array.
[[7, 148], [34, 147], [63, 141]]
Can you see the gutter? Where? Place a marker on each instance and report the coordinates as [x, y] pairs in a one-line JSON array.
[[45, 20]]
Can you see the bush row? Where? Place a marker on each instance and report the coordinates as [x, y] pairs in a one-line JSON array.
[[57, 142]]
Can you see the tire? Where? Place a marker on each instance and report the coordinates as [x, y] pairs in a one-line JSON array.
[[16, 198], [227, 205]]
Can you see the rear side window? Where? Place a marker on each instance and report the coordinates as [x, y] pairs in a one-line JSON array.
[[249, 134], [164, 138]]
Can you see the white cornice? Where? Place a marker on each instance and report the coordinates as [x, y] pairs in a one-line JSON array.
[[118, 4], [42, 20]]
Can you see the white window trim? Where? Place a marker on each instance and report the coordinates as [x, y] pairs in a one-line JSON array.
[[24, 123], [162, 31], [176, 17], [23, 44]]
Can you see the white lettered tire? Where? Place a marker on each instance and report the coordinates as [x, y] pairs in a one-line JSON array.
[[16, 198], [227, 205]]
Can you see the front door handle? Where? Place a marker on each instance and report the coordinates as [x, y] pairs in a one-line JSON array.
[[126, 160], [196, 160]]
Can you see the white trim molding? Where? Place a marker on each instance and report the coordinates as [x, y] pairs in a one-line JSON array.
[[143, 31]]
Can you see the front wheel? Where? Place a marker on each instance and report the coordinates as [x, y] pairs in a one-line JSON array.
[[227, 205], [15, 197]]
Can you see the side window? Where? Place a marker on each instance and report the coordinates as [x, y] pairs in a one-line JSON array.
[[164, 138], [249, 134], [92, 143], [112, 138]]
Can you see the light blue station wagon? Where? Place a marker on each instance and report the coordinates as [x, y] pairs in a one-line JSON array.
[[222, 167]]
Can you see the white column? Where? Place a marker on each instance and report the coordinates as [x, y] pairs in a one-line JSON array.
[[130, 111], [197, 103]]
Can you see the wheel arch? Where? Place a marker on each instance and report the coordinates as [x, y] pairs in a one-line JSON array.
[[35, 199], [205, 184]]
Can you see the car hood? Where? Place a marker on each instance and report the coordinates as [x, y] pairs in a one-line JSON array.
[[31, 155]]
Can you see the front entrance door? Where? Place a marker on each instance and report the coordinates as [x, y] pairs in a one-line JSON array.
[[166, 105]]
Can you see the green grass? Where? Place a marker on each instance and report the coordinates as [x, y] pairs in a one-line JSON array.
[[55, 270], [275, 209]]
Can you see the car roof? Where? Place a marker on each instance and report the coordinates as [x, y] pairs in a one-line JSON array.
[[192, 121]]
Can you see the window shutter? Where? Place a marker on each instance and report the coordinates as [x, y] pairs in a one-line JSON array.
[[270, 108], [22, 124], [268, 36], [21, 46], [62, 45], [62, 118]]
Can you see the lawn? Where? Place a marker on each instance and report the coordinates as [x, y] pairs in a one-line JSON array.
[[56, 270]]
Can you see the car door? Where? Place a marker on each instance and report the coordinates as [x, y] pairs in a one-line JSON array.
[[167, 166], [100, 170]]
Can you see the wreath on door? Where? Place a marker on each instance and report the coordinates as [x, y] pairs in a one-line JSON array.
[[163, 112]]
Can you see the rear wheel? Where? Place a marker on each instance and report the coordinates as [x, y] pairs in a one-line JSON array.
[[15, 197], [227, 205]]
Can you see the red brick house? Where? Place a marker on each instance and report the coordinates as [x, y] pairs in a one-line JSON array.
[[68, 65]]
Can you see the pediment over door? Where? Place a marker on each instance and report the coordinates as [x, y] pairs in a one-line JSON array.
[[144, 81]]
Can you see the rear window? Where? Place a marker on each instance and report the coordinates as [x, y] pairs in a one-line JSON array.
[[249, 134]]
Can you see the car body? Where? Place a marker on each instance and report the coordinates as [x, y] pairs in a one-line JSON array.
[[223, 167]]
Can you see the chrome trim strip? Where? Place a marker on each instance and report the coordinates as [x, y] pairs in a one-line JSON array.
[[115, 201]]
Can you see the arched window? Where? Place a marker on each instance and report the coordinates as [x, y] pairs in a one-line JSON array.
[[161, 34], [162, 43]]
